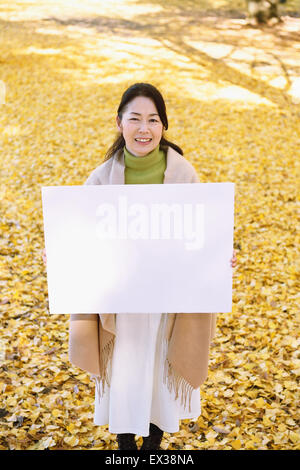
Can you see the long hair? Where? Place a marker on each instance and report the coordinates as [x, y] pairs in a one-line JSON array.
[[148, 91]]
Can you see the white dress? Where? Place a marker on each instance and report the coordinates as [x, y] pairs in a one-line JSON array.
[[137, 395]]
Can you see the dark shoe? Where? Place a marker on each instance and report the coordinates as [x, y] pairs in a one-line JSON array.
[[126, 441], [152, 442]]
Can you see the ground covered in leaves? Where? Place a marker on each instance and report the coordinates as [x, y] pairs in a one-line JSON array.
[[233, 100]]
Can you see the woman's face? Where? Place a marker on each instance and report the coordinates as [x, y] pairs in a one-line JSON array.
[[141, 126]]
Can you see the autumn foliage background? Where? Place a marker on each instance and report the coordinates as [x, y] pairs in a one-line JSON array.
[[233, 100]]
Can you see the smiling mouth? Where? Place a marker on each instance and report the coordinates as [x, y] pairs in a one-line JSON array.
[[144, 141]]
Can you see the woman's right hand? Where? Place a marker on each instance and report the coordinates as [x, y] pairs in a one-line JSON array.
[[44, 256]]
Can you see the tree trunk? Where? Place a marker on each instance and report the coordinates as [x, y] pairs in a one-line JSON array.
[[262, 11]]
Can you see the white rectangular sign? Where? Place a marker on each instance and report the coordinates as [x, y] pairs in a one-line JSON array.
[[152, 248]]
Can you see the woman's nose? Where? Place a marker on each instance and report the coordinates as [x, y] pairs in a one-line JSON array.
[[143, 126]]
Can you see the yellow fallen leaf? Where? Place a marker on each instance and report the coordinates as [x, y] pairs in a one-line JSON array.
[[250, 445], [266, 421], [46, 443], [211, 441], [71, 428], [260, 403], [164, 445], [294, 437], [236, 444], [211, 435], [281, 427], [71, 440], [290, 422]]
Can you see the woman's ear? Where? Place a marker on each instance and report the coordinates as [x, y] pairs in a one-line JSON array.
[[119, 124]]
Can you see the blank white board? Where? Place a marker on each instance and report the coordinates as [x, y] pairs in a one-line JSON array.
[[153, 248]]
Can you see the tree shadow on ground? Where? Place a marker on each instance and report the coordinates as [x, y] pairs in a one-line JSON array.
[[174, 31], [178, 27]]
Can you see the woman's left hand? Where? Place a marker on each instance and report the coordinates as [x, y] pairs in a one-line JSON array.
[[233, 260]]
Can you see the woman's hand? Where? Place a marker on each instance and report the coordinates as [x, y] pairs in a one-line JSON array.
[[44, 256], [233, 260]]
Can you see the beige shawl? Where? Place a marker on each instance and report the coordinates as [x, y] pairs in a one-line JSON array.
[[188, 335]]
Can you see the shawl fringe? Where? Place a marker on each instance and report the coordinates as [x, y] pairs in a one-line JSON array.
[[177, 383], [105, 361]]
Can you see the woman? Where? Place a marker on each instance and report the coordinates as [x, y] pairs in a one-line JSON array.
[[149, 365]]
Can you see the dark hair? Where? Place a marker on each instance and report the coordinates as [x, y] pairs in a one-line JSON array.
[[149, 91]]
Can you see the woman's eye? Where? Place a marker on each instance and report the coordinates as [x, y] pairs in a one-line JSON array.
[[150, 120]]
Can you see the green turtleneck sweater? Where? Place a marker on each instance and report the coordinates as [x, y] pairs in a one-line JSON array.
[[145, 170]]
